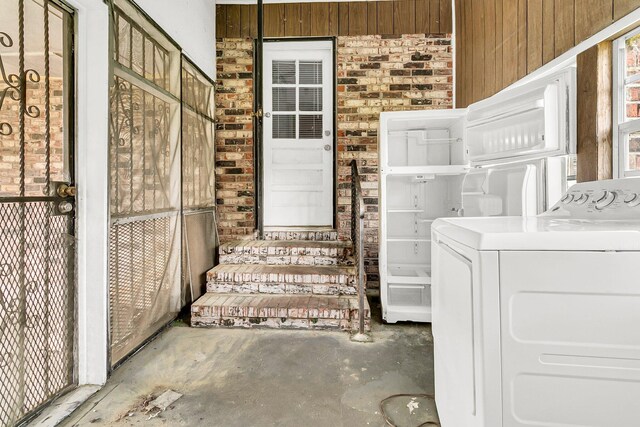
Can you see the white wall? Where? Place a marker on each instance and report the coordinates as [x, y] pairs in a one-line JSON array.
[[191, 23]]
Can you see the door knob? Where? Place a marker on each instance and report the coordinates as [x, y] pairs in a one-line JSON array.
[[327, 147], [267, 115]]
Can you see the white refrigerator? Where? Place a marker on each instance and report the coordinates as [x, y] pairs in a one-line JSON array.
[[506, 155]]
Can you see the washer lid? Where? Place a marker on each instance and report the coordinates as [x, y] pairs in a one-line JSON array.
[[540, 233]]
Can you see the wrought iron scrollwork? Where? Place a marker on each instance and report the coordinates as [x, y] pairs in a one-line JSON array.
[[13, 83]]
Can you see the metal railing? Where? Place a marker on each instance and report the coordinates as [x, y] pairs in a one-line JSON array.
[[357, 238]]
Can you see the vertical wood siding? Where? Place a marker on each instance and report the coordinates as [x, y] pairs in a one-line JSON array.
[[500, 41], [391, 17]]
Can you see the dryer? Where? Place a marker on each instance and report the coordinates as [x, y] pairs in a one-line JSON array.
[[535, 319]]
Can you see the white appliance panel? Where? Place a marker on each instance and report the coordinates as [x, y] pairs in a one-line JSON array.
[[570, 353]]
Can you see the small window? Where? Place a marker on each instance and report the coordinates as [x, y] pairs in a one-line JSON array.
[[626, 99]]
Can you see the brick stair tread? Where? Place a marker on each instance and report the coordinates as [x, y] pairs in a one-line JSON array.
[[277, 306], [281, 273], [301, 234], [329, 244]]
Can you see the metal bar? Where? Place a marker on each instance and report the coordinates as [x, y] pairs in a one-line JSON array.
[[47, 138], [17, 199], [115, 220], [144, 84], [258, 135], [22, 248], [357, 238]]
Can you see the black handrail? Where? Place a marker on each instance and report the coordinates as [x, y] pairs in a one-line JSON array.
[[357, 237]]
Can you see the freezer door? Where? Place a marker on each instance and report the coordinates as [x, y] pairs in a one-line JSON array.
[[531, 121], [513, 189]]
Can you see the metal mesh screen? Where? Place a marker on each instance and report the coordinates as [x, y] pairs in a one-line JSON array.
[[36, 307], [198, 167], [37, 254], [145, 236], [198, 180]]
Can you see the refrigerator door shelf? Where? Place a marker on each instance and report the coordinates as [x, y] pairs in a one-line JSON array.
[[532, 121]]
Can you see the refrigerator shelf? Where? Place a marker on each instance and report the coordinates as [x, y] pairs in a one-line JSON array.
[[408, 239], [426, 171], [406, 210]]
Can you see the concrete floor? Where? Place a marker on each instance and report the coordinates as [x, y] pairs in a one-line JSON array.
[[231, 377]]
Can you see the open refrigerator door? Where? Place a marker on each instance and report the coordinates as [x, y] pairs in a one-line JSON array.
[[518, 144]]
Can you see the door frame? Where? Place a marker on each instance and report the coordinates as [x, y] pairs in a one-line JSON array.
[[258, 130]]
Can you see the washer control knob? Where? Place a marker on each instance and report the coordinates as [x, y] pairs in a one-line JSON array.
[[581, 199], [567, 198], [599, 196], [632, 200], [608, 198]]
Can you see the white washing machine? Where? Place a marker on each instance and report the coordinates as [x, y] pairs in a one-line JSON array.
[[536, 320]]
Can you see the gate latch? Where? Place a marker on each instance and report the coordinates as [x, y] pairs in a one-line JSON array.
[[65, 191]]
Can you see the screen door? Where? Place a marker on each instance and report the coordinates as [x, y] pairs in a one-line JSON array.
[[37, 207], [298, 134]]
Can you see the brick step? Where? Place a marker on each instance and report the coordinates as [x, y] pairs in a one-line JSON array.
[[286, 279], [302, 234], [278, 311], [286, 252]]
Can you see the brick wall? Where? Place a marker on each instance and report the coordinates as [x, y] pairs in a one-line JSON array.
[[35, 130], [234, 138], [375, 74]]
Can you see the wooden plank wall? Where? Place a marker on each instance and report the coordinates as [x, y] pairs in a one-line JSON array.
[[501, 41], [390, 17]]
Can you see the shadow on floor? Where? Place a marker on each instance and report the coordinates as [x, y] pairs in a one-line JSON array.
[[232, 377]]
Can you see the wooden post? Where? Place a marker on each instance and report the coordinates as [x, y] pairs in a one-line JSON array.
[[594, 122]]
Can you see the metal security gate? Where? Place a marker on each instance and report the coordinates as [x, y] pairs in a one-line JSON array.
[[37, 206], [145, 234]]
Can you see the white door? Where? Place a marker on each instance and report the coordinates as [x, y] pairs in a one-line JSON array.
[[298, 134]]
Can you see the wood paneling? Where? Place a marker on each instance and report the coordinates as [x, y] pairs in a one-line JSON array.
[[509, 43], [446, 18], [591, 17], [489, 47], [534, 34], [522, 38], [320, 19], [274, 20], [623, 7], [292, 19], [385, 17], [423, 23], [565, 35], [404, 16], [434, 15], [392, 17], [477, 11], [511, 38], [499, 50], [548, 30], [358, 18], [594, 113], [234, 26], [248, 24], [372, 17]]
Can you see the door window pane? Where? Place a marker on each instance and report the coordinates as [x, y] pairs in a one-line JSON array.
[[284, 98], [284, 126], [311, 126], [310, 72], [284, 72], [310, 99]]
